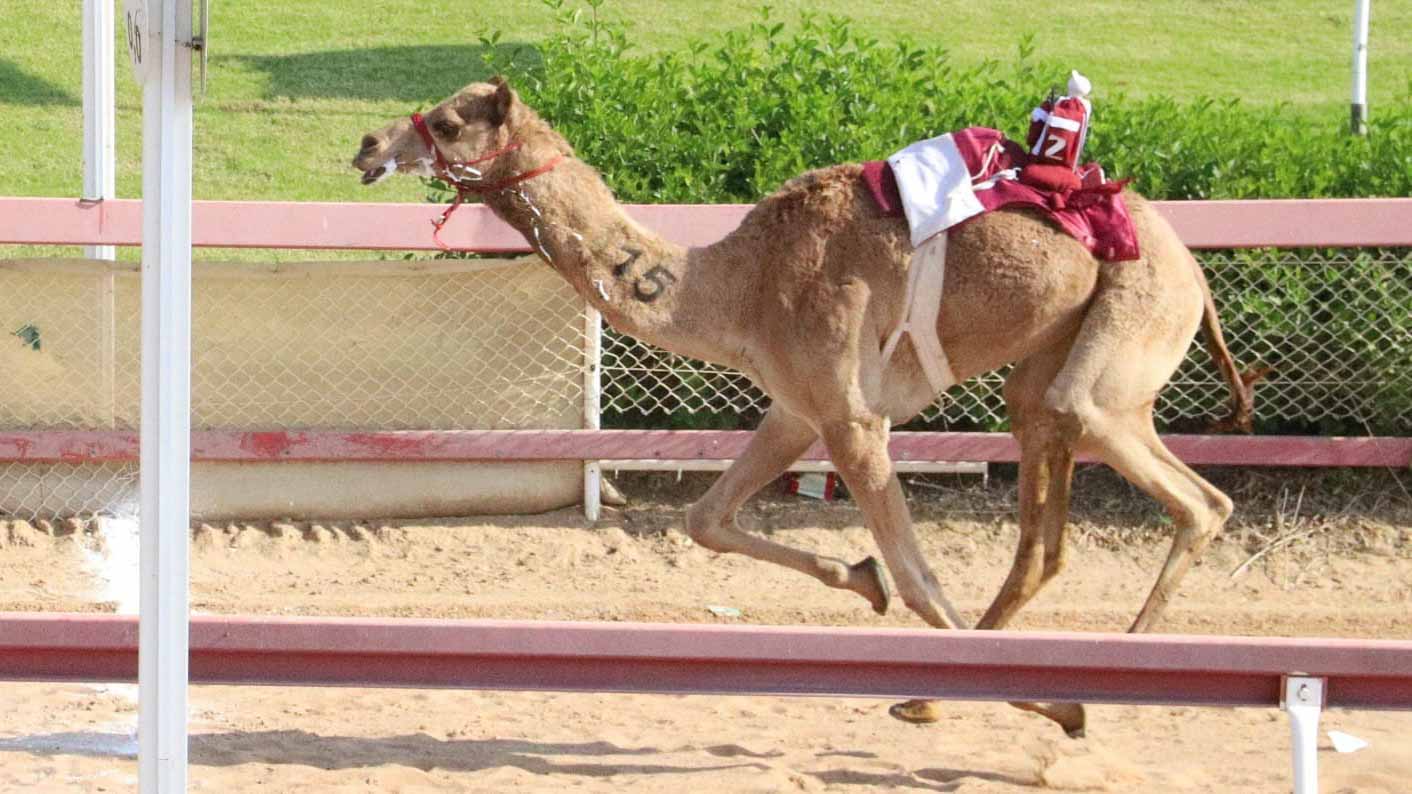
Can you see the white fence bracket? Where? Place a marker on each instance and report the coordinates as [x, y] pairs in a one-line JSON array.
[[1303, 700]]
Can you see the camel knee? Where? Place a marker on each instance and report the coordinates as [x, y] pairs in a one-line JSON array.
[[704, 525], [1205, 529], [1070, 415], [1223, 507], [1026, 588], [1203, 520], [859, 450]]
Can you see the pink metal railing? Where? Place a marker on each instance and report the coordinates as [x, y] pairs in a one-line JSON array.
[[1334, 223], [711, 659], [102, 446], [1211, 224]]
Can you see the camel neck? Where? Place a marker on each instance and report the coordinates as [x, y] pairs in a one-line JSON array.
[[644, 285]]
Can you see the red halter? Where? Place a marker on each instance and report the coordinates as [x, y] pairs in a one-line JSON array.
[[442, 169]]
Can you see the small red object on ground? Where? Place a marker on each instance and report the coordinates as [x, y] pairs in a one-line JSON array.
[[815, 485]]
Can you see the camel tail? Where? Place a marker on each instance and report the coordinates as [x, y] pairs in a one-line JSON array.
[[1242, 384]]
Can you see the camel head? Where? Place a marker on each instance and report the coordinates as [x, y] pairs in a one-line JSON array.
[[476, 121]]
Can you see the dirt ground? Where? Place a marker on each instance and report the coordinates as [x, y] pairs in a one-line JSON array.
[[1318, 555]]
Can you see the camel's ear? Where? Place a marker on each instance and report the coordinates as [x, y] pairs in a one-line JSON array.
[[500, 103]]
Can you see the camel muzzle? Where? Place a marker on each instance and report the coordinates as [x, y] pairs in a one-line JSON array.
[[374, 175]]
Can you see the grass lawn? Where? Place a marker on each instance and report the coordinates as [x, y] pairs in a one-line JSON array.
[[294, 85]]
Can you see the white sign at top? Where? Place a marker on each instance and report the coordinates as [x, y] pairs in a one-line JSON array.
[[139, 38]]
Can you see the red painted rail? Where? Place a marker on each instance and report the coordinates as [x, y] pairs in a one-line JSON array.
[[107, 446], [1288, 223], [713, 659]]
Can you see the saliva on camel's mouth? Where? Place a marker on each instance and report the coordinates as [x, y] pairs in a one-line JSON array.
[[376, 174], [419, 167]]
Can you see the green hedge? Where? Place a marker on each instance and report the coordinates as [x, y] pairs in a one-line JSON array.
[[730, 120], [1337, 328]]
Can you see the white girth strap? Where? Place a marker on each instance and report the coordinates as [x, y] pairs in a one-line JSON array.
[[923, 304]]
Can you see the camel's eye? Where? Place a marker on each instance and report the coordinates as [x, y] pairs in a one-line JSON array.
[[446, 129]]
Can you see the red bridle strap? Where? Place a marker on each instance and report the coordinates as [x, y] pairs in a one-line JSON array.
[[420, 125], [443, 171]]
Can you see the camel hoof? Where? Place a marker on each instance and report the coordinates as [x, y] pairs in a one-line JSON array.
[[916, 712], [870, 568], [1069, 716], [1072, 718]]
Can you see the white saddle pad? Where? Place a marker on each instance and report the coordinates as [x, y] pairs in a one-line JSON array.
[[935, 186]]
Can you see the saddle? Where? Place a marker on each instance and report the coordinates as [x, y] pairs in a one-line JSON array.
[[950, 179]]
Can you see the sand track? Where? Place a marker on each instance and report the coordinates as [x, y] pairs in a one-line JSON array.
[[632, 566]]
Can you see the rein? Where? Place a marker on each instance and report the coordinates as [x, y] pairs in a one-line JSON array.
[[465, 185]]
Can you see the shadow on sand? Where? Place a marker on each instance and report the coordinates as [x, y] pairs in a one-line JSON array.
[[945, 779], [418, 751]]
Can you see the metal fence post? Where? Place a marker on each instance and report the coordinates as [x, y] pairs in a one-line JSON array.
[[166, 392], [98, 119], [592, 407], [1359, 107], [1303, 700]]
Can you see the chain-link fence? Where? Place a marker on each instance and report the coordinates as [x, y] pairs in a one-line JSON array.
[[468, 344], [493, 345], [1335, 325]]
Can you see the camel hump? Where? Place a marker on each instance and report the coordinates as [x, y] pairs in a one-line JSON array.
[[820, 195]]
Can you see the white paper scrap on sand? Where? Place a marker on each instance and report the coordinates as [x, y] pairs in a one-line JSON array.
[[1346, 742]]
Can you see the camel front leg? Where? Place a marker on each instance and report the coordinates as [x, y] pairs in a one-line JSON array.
[[778, 442], [859, 451]]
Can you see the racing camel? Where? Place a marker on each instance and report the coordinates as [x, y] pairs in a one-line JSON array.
[[801, 297]]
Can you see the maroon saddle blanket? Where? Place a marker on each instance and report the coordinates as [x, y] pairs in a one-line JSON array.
[[1093, 212]]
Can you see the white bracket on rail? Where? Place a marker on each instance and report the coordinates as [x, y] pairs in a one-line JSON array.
[[1302, 697]]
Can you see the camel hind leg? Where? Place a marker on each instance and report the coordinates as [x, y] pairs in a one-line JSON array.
[[1197, 507], [1100, 402], [1125, 353], [1046, 473], [1047, 443]]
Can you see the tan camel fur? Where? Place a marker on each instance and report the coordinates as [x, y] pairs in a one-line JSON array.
[[801, 298]]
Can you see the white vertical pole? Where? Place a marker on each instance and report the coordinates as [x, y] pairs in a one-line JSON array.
[[99, 169], [1359, 110], [1303, 700], [592, 407], [166, 400], [98, 67]]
